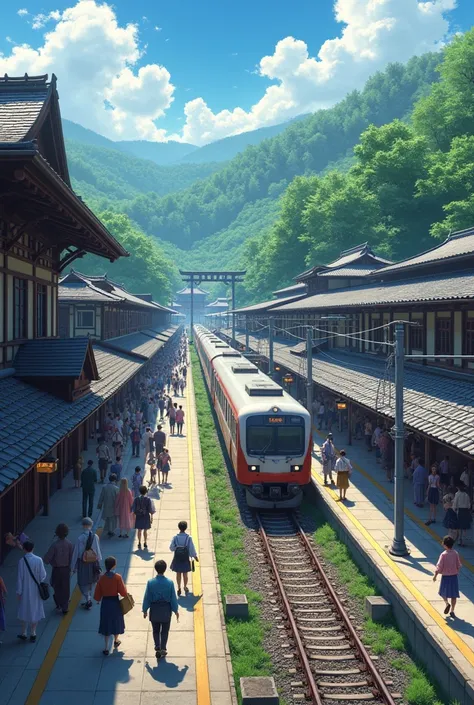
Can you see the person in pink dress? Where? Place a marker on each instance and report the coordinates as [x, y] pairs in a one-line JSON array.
[[123, 507]]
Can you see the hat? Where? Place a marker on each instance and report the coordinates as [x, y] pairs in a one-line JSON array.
[[329, 435]]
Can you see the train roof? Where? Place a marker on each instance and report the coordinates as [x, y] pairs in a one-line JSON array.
[[249, 388]]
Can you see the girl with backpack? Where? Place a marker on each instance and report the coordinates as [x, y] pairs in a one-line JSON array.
[[184, 551], [143, 508]]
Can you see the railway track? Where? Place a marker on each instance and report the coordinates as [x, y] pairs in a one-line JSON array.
[[336, 666]]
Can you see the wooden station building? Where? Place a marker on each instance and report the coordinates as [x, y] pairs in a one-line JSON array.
[[350, 305], [52, 390]]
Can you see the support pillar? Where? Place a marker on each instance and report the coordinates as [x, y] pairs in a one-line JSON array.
[[398, 544]]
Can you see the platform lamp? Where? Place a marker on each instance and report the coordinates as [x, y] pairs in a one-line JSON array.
[[46, 467], [341, 406]]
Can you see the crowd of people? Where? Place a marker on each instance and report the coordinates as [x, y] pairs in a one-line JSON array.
[[124, 508]]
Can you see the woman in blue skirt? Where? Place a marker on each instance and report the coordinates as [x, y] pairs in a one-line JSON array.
[[448, 566], [184, 551], [107, 592]]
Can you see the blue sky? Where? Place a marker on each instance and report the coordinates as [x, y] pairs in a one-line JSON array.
[[204, 76]]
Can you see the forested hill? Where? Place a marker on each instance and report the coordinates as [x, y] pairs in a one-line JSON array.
[[262, 172], [105, 176]]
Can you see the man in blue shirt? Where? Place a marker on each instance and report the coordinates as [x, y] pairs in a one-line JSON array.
[[160, 598]]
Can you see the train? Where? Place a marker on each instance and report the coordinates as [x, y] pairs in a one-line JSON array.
[[266, 432]]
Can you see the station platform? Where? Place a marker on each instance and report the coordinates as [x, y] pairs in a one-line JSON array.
[[66, 664], [444, 644]]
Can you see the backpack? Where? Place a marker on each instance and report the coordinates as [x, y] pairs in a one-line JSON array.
[[89, 555], [141, 506], [181, 553]]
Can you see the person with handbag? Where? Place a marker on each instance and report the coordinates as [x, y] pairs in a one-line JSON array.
[[31, 591], [184, 552], [86, 561], [160, 599], [107, 592], [143, 508]]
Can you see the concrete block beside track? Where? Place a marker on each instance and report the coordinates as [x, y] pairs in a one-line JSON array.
[[236, 606], [259, 691]]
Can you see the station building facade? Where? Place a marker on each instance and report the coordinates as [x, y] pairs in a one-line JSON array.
[[52, 390], [350, 305]]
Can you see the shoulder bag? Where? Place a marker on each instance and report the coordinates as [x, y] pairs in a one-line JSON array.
[[43, 588], [89, 555], [127, 604]]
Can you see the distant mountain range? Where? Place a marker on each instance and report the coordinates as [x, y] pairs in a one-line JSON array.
[[164, 153]]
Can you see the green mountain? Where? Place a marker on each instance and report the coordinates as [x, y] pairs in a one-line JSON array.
[[308, 146], [106, 177], [228, 147], [158, 152]]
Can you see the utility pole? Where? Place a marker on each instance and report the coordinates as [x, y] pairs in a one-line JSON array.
[[271, 365], [309, 369], [399, 547], [191, 337], [234, 342], [247, 346]]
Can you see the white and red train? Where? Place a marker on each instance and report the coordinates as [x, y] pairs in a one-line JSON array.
[[267, 433]]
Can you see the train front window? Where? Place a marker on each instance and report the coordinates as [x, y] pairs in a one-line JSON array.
[[275, 435]]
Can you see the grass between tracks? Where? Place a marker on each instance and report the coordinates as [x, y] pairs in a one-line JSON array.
[[419, 691], [245, 636]]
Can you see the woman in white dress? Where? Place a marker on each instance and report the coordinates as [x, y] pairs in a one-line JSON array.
[[30, 604]]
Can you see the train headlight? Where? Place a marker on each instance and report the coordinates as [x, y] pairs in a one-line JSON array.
[[294, 489], [296, 468], [254, 468], [257, 489]]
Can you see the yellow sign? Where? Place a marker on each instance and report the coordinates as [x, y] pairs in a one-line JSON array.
[[341, 405], [287, 379], [47, 466], [275, 419]]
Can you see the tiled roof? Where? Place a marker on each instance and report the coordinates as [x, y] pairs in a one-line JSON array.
[[458, 244], [355, 270], [145, 343], [435, 288], [84, 292], [196, 291], [360, 252], [20, 105], [103, 285], [54, 357], [33, 421], [293, 289], [437, 405], [265, 305]]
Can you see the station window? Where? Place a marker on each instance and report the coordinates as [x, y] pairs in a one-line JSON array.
[[416, 332], [85, 319], [20, 307], [41, 311], [469, 337], [444, 336]]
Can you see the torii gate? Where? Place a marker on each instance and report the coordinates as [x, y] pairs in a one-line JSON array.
[[197, 278]]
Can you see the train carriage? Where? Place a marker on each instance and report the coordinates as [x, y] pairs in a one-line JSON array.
[[267, 433]]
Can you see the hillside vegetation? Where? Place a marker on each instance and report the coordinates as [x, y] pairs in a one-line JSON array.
[[411, 184], [305, 147]]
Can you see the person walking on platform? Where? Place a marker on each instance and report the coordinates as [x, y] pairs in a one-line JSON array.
[[137, 481], [135, 437], [59, 556], [160, 599], [31, 572], [143, 508], [159, 438], [433, 494], [462, 507], [88, 482], [103, 453], [123, 508], [85, 561], [107, 591], [368, 432], [164, 466], [343, 469], [420, 478], [184, 551], [107, 504], [172, 417], [180, 420], [161, 407], [328, 453], [448, 566]]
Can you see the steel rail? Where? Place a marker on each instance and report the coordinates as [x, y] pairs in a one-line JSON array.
[[313, 688], [378, 682]]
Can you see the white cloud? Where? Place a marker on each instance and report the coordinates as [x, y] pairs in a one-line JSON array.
[[94, 58], [158, 29], [375, 33], [22, 12], [41, 19]]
